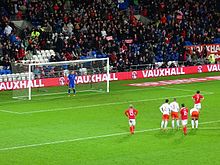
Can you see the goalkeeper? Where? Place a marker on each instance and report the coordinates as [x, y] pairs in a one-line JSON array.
[[71, 82]]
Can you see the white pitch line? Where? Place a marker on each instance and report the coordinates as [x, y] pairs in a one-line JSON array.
[[105, 104], [88, 138], [209, 122], [209, 128], [73, 140], [95, 93], [98, 105], [185, 90], [6, 111]]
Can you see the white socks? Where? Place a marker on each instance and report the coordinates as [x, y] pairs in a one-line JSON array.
[[177, 123], [165, 125], [162, 123], [173, 121], [192, 122], [197, 123]]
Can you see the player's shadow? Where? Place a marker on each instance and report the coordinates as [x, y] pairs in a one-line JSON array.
[[165, 133], [192, 132], [123, 128], [124, 138]]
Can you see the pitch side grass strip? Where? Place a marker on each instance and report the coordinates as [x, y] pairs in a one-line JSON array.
[[118, 91], [99, 105], [90, 138], [95, 105]]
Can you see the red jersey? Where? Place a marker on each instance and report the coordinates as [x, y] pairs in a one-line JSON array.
[[184, 113], [197, 98], [131, 113]]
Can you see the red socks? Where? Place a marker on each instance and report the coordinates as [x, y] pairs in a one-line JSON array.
[[132, 129], [185, 130]]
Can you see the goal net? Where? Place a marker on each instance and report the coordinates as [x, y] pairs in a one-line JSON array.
[[49, 79]]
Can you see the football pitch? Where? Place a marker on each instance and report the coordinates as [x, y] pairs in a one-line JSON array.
[[91, 128]]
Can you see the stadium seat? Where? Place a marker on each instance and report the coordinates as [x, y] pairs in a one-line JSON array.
[[7, 71], [5, 78], [23, 76], [12, 77], [44, 55], [83, 71], [9, 77], [28, 61], [38, 52], [34, 57], [46, 60], [17, 76], [52, 51], [42, 52]]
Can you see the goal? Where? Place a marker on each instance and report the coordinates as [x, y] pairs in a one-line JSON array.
[[50, 79]]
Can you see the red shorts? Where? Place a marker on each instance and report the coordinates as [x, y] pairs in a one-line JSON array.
[[195, 115], [165, 117], [174, 115]]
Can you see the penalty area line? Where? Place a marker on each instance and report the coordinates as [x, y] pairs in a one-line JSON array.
[[90, 138], [104, 104], [98, 105], [74, 140], [186, 90], [13, 112]]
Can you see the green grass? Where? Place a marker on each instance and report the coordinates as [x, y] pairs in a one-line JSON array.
[[78, 124]]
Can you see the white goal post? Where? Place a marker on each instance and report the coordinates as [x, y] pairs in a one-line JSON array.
[[87, 67]]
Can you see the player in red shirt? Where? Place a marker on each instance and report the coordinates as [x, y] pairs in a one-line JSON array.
[[197, 100], [184, 117], [131, 113]]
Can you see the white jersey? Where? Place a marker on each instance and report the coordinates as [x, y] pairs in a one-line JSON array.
[[193, 110], [165, 109], [174, 106]]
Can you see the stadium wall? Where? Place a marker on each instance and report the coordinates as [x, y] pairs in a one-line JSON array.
[[61, 81]]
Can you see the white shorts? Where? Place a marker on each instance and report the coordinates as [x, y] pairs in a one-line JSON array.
[[198, 106], [184, 122], [132, 122]]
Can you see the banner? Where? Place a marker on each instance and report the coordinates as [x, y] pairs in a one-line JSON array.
[[153, 73], [211, 49]]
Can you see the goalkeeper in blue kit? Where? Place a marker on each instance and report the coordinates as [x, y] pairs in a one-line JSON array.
[[71, 82]]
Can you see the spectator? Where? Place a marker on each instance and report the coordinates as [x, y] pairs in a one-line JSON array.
[[8, 29]]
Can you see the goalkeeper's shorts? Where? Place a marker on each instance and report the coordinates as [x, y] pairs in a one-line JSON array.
[[71, 85]]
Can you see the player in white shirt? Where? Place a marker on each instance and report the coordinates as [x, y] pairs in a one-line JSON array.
[[194, 113], [165, 110], [174, 107]]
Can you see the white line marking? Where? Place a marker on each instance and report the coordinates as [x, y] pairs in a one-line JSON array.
[[95, 93], [105, 104], [87, 138], [209, 122], [13, 112], [98, 105], [209, 128], [186, 90]]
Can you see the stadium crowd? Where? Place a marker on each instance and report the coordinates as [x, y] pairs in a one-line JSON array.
[[98, 28]]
